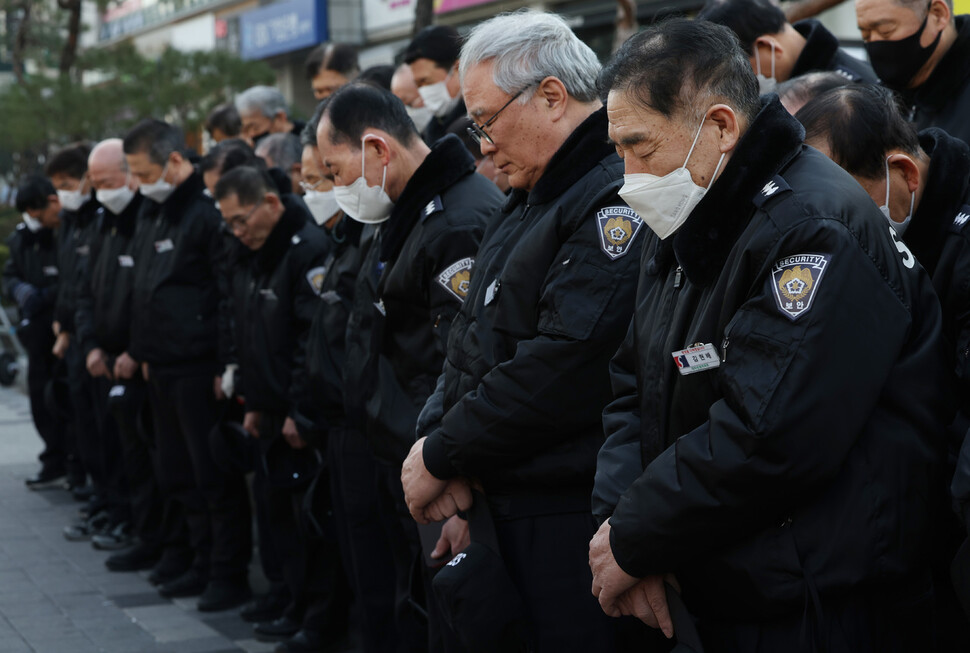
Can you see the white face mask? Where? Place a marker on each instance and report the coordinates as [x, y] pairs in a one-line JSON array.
[[367, 204], [436, 97], [32, 223], [71, 199], [160, 190], [900, 227], [322, 204], [115, 200], [665, 202], [765, 84], [420, 116]]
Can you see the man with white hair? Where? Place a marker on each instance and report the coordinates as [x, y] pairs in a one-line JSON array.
[[526, 371], [263, 111]]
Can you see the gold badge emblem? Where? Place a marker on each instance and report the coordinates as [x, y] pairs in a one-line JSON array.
[[796, 281], [619, 226], [456, 278]]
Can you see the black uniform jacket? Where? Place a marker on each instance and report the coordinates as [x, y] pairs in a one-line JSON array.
[[176, 300], [943, 100], [31, 268], [75, 237], [526, 377], [412, 283], [806, 457], [437, 127], [103, 317], [323, 402], [275, 292], [822, 52]]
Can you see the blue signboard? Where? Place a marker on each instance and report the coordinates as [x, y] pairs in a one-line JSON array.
[[282, 27]]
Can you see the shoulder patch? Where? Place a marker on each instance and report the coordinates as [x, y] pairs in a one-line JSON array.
[[432, 207], [618, 228], [961, 219], [795, 280], [773, 188], [296, 240], [315, 278], [848, 74], [456, 277]]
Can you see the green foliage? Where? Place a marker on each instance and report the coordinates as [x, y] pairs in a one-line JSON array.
[[120, 88]]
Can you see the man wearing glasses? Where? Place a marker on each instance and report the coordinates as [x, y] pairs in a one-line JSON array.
[[526, 371]]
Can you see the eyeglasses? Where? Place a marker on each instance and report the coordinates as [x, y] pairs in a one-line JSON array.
[[241, 220], [478, 132], [305, 186]]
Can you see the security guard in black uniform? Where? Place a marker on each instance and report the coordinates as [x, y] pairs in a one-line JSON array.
[[352, 470], [921, 182], [551, 294], [174, 335], [431, 208], [102, 326], [785, 379], [275, 293], [30, 278]]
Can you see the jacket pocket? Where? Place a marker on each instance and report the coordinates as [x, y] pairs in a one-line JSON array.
[[572, 304]]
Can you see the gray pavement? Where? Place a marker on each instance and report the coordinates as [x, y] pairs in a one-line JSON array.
[[57, 596]]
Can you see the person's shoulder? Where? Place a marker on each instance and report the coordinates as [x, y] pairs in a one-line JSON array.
[[467, 202]]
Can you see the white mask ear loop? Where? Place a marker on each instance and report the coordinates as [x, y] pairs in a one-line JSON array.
[[691, 151], [772, 60], [363, 152], [887, 185], [757, 58]]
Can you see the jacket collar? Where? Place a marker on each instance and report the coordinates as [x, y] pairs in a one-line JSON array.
[[183, 195], [125, 222], [580, 153], [772, 140], [820, 46], [280, 238], [948, 75], [945, 192], [448, 162], [346, 232]]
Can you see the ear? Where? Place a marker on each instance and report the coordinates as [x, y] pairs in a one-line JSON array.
[[904, 164], [729, 130], [273, 200], [762, 48], [553, 95], [376, 146], [296, 168], [940, 14]]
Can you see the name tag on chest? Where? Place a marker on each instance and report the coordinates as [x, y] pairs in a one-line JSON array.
[[162, 246], [696, 359], [126, 261]]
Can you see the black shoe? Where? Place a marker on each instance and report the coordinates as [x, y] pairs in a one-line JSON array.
[[135, 558], [307, 641], [94, 505], [83, 529], [222, 595], [276, 630], [167, 570], [82, 493], [267, 607], [191, 583], [47, 478], [114, 538]]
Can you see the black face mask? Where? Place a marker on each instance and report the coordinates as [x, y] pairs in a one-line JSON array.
[[897, 62], [257, 139]]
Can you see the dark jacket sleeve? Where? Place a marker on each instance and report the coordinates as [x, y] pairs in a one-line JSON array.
[[448, 248], [14, 285], [305, 302], [227, 344], [797, 394], [583, 310], [618, 463], [84, 310]]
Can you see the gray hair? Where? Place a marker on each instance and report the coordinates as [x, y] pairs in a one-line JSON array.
[[265, 99], [527, 46], [283, 150]]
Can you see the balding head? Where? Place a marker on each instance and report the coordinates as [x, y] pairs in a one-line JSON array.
[[107, 166]]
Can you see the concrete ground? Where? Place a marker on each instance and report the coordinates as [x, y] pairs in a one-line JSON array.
[[57, 596]]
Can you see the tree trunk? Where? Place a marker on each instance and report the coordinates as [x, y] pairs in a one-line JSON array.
[[20, 43], [423, 14], [626, 22], [69, 52]]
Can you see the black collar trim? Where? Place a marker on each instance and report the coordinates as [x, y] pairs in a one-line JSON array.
[[280, 238], [949, 74], [772, 140], [183, 195], [820, 46]]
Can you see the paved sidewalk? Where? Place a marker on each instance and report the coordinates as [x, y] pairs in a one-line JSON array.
[[57, 596]]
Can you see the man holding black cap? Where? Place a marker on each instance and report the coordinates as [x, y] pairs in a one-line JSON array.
[[433, 58], [917, 47]]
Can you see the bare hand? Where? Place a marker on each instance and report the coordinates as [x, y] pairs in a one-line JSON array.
[[647, 601], [457, 496], [126, 367], [96, 364], [217, 388], [455, 536], [61, 344], [292, 434], [144, 370], [251, 422], [56, 328], [609, 581], [420, 487]]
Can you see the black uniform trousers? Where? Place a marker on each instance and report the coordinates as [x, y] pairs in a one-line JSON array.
[[270, 557], [547, 557], [215, 503], [85, 442], [113, 483], [364, 547], [320, 598], [38, 339]]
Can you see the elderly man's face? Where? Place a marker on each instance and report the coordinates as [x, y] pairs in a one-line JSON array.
[[515, 132], [326, 82], [315, 175], [256, 125], [650, 143], [343, 159], [885, 20]]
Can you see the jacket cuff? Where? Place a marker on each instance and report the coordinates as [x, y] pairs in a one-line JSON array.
[[436, 458], [627, 566]]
